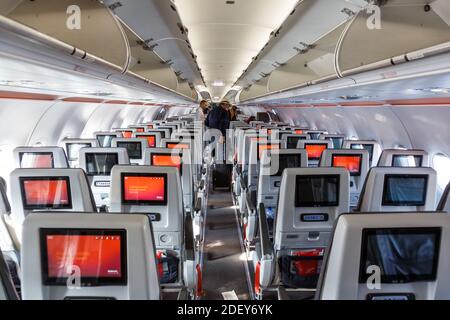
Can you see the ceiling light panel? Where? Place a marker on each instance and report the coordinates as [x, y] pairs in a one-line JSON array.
[[226, 37]]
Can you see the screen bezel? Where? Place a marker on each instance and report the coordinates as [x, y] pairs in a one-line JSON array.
[[143, 202], [23, 153], [70, 144], [85, 281], [170, 144], [142, 135], [112, 136], [366, 232], [364, 145], [299, 204], [339, 155], [315, 144], [94, 154], [298, 138], [404, 203], [169, 155], [297, 155], [120, 145], [399, 156], [27, 206]]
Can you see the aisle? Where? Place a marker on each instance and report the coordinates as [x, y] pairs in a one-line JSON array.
[[223, 269]]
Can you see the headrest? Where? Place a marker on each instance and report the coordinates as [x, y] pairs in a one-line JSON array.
[[100, 161], [444, 203], [155, 191], [135, 146], [73, 146], [372, 146], [403, 158], [40, 157], [153, 138], [314, 148], [407, 254], [53, 190], [355, 161], [104, 138], [399, 189], [93, 256]]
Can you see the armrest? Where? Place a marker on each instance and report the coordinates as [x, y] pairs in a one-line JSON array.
[[201, 185], [243, 184], [6, 280], [189, 239], [249, 203], [198, 204], [266, 245]]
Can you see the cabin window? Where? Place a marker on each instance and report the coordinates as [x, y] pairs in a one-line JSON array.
[[441, 163]]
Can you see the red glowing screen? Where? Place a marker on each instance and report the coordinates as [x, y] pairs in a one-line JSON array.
[[140, 130], [36, 160], [127, 134], [315, 150], [351, 162], [144, 189], [96, 255], [149, 126], [151, 140], [298, 131], [177, 145], [263, 147], [166, 160], [46, 193]]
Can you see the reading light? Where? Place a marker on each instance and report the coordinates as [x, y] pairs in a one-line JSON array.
[[218, 83]]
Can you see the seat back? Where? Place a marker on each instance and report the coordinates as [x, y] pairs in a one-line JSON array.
[[336, 139], [104, 138], [314, 148], [135, 148], [40, 157], [394, 189], [98, 163], [162, 132], [355, 161], [393, 256], [372, 146], [403, 158], [180, 159], [257, 148], [153, 139], [290, 139], [55, 190], [73, 146], [93, 256]]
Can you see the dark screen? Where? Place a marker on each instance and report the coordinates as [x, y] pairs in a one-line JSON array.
[[404, 190], [100, 164], [337, 142], [134, 149], [292, 142], [105, 140], [288, 161], [368, 147], [407, 161], [317, 191]]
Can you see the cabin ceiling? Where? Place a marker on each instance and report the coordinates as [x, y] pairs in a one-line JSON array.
[[226, 35]]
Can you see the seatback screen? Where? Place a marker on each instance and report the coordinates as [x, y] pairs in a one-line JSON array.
[[98, 256], [286, 161], [402, 254], [317, 191], [140, 130], [127, 134], [351, 162], [101, 164], [36, 160], [337, 142], [315, 150], [407, 161], [167, 160], [314, 135], [176, 145], [134, 148], [368, 147], [404, 190], [45, 193], [105, 140], [73, 150], [263, 147], [298, 131], [144, 189], [151, 140], [293, 141]]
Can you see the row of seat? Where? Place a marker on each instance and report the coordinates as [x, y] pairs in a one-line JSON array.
[[147, 243], [289, 207]]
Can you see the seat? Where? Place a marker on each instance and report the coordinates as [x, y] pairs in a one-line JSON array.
[[444, 203], [104, 138], [355, 161], [372, 146], [7, 289], [40, 157], [98, 163], [314, 148], [156, 191], [55, 190], [403, 158], [135, 148], [153, 139], [395, 256], [72, 147], [271, 169], [310, 201], [73, 256], [336, 139], [290, 139], [397, 189]]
